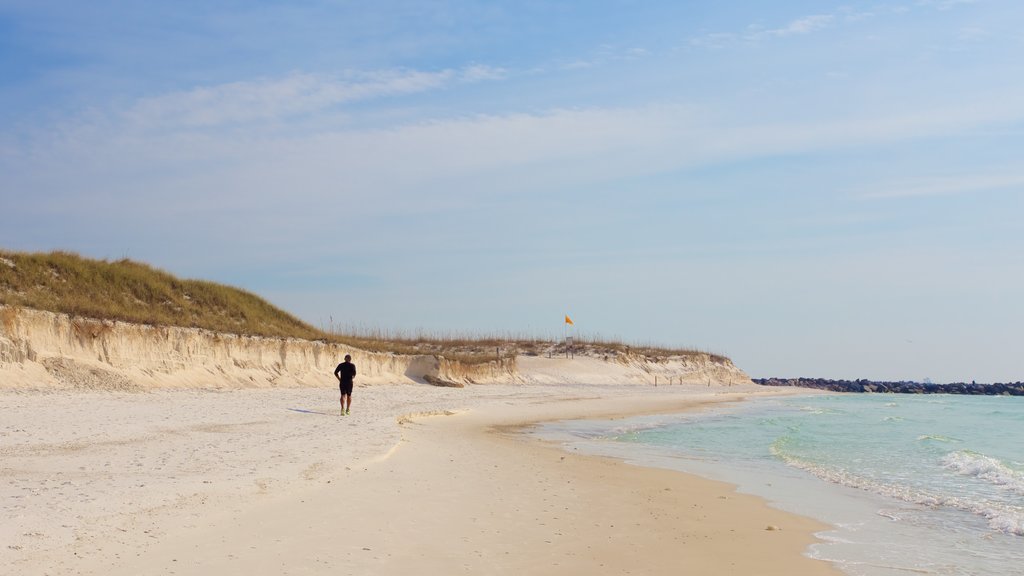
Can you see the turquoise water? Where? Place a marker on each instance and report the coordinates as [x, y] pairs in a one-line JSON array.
[[913, 484]]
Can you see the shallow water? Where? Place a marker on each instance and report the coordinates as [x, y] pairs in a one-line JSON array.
[[913, 484]]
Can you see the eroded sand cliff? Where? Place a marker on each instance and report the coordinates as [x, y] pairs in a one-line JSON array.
[[43, 350]]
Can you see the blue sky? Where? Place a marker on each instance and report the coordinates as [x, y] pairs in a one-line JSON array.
[[812, 188]]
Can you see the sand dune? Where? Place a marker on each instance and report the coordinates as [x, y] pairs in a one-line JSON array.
[[46, 351], [139, 450]]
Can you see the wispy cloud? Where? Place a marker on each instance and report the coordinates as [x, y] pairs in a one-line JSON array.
[[969, 34], [604, 55], [481, 73], [713, 40], [945, 4], [946, 186], [800, 26], [280, 98], [473, 156], [813, 23]]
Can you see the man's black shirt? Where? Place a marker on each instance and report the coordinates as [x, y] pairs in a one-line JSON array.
[[346, 371]]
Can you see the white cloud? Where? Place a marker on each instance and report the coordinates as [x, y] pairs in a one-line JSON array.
[[480, 73], [604, 55], [852, 15], [945, 4], [164, 145], [427, 165], [280, 98], [579, 65], [800, 26], [972, 34], [714, 40], [946, 186]]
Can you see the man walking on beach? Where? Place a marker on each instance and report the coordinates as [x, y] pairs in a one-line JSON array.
[[346, 374]]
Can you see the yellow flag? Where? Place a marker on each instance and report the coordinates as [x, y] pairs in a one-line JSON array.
[[568, 320]]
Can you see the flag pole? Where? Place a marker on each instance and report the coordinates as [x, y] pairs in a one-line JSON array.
[[565, 335]]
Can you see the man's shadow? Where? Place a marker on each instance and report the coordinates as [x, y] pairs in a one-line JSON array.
[[309, 411]]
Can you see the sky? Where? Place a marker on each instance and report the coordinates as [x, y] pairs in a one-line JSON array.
[[821, 189]]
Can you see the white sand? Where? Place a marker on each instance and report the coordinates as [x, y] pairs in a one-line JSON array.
[[93, 483], [83, 471]]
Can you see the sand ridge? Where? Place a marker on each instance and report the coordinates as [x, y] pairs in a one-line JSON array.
[[45, 351]]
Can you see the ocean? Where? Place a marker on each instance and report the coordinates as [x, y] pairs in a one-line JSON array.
[[913, 484]]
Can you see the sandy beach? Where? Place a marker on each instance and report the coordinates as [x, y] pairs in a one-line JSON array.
[[418, 478]]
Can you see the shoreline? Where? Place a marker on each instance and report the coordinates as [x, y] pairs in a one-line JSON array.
[[467, 492]]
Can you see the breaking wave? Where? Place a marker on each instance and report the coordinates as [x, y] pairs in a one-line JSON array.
[[991, 470], [1000, 516]]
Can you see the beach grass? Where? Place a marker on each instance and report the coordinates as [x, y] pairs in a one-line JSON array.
[[454, 345], [129, 291]]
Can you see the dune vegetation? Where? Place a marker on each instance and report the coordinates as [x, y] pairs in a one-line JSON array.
[[133, 292], [129, 291]]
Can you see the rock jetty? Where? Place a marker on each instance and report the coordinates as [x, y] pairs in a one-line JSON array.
[[997, 389]]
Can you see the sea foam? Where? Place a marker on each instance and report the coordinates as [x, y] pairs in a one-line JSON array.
[[992, 470], [929, 484], [999, 516]]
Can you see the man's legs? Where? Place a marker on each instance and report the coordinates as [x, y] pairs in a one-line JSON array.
[[347, 401]]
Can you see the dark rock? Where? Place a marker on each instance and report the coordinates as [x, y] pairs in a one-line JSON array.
[[862, 385]]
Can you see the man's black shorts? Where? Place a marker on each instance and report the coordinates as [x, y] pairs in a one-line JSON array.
[[346, 388]]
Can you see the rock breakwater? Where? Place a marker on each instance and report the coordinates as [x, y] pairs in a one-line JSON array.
[[902, 387]]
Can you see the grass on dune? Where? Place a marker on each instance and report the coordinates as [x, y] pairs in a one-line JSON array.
[[503, 345], [130, 291], [133, 292]]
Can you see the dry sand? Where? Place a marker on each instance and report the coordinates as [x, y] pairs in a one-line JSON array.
[[275, 482]]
